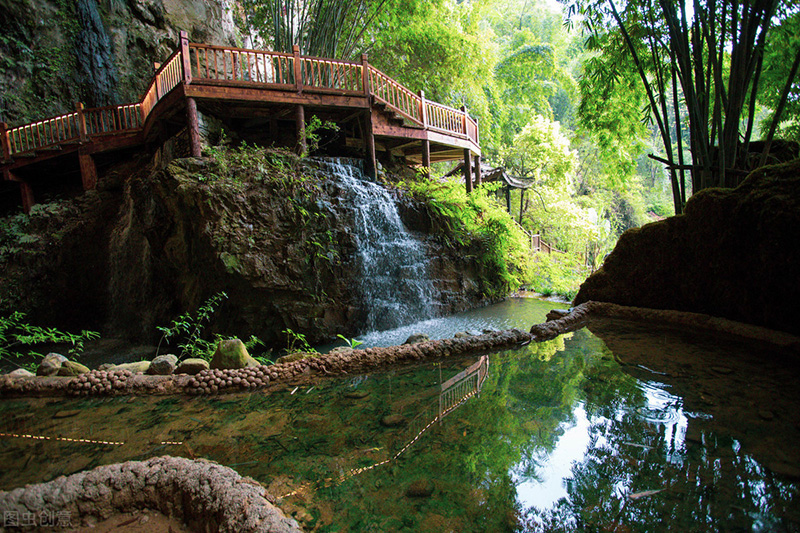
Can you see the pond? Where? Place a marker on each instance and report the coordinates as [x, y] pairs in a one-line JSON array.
[[619, 427]]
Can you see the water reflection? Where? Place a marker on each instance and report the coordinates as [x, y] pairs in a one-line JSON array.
[[577, 433]]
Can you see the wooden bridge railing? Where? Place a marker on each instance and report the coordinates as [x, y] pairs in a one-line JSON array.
[[237, 66]]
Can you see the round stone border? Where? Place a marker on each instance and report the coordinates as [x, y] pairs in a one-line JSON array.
[[348, 361], [204, 495]]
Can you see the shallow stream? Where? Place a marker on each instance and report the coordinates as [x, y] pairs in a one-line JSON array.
[[619, 427]]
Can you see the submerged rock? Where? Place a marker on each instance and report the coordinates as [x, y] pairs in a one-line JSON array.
[[51, 364], [232, 353]]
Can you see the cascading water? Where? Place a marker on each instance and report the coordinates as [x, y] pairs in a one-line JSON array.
[[395, 286]]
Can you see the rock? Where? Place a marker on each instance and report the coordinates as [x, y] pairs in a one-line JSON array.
[[106, 366], [732, 254], [462, 335], [138, 367], [67, 414], [421, 488], [297, 356], [417, 338], [163, 365], [555, 314], [192, 366], [21, 373], [72, 368], [232, 353], [391, 421], [51, 364]]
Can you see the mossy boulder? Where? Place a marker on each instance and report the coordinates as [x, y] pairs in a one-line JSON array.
[[135, 367], [163, 365], [292, 357], [51, 364], [72, 368], [232, 353], [733, 253], [192, 366]]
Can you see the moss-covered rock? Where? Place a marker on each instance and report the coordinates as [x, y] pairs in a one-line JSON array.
[[232, 353], [72, 368], [734, 253]]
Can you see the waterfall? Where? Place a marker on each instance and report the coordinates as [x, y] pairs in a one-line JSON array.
[[394, 283]]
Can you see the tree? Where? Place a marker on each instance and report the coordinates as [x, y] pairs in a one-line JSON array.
[[322, 28], [669, 45]]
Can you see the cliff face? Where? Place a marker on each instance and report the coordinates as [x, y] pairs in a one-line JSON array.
[[735, 253], [152, 243], [55, 53]]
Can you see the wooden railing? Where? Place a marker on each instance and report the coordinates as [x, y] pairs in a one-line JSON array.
[[401, 99], [209, 64]]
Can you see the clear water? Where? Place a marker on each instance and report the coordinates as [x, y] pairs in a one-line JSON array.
[[621, 428], [395, 286], [520, 313]]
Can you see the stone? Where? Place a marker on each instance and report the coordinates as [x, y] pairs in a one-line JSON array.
[[50, 364], [417, 338], [232, 353], [21, 373], [106, 366], [462, 335], [290, 358], [72, 368], [163, 365], [192, 366], [732, 254], [138, 367], [392, 421], [421, 488], [67, 414]]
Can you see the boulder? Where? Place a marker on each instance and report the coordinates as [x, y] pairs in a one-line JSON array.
[[163, 365], [421, 488], [138, 367], [733, 254], [297, 356], [21, 373], [51, 364], [232, 353], [192, 366], [462, 335], [416, 338], [72, 368]]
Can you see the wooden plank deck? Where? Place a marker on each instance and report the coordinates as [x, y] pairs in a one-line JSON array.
[[229, 81]]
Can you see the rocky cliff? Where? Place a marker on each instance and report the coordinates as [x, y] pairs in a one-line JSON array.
[[155, 240], [735, 253], [54, 53]]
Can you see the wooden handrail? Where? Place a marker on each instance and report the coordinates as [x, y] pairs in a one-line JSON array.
[[210, 63]]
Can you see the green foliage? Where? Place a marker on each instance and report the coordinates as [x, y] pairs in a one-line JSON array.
[[297, 342], [558, 274], [187, 330], [351, 343], [480, 224], [17, 337], [541, 152], [312, 130]]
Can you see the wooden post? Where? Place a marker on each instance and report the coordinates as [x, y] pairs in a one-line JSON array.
[[468, 169], [477, 170], [508, 198], [300, 122], [5, 145], [81, 122], [369, 141], [193, 127], [298, 69], [88, 170], [426, 156], [521, 204], [365, 74], [186, 59], [423, 110], [26, 192], [464, 120]]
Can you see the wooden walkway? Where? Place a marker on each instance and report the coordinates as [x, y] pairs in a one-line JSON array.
[[270, 93]]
